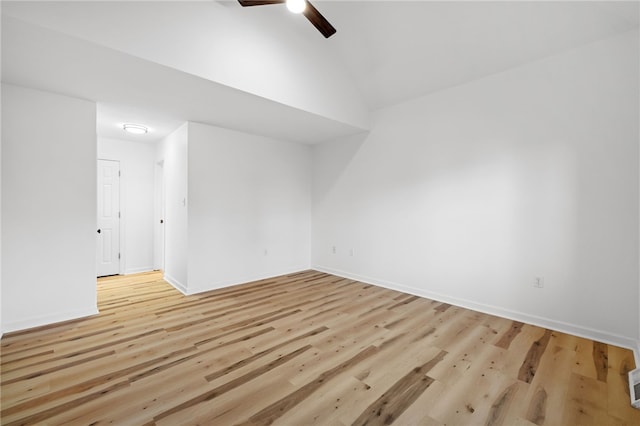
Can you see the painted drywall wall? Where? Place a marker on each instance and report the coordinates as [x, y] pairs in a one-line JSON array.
[[48, 208], [137, 161], [173, 152], [249, 207], [468, 194], [1, 329]]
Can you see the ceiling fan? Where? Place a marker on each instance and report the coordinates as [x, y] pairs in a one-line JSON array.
[[299, 6]]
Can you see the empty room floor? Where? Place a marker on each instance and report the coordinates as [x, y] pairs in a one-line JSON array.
[[301, 349]]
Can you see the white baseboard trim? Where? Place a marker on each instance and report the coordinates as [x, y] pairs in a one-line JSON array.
[[248, 279], [48, 319], [175, 283], [188, 291], [138, 270], [576, 330]]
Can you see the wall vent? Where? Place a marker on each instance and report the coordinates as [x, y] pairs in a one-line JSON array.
[[634, 387]]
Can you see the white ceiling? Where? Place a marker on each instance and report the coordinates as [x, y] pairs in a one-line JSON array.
[[388, 51], [398, 50]]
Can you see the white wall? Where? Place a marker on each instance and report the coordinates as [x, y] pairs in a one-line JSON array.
[[173, 151], [48, 208], [137, 161], [1, 329], [468, 194], [249, 208], [1, 322]]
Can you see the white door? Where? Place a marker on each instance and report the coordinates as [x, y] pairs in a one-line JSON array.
[[108, 236], [158, 243]]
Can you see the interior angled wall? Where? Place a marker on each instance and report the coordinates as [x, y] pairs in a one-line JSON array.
[[468, 194], [1, 322], [249, 209], [1, 329], [48, 208], [173, 152]]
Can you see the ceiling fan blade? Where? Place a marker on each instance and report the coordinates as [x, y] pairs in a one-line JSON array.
[[246, 3], [318, 21]]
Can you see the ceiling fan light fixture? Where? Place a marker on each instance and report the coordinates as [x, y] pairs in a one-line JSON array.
[[296, 6], [136, 129], [299, 6]]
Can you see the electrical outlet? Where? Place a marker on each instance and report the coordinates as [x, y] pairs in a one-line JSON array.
[[538, 282], [266, 252], [351, 252], [333, 249]]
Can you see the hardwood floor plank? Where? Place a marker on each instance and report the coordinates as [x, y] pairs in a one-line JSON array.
[[329, 404], [71, 364], [84, 386], [156, 393], [511, 334], [500, 406], [473, 384], [208, 396], [269, 414], [304, 348], [249, 360], [418, 412], [530, 364], [388, 407], [176, 362], [442, 307], [537, 411], [584, 407], [48, 359], [61, 408], [601, 360], [546, 397]]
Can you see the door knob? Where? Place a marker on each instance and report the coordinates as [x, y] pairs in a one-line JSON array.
[[99, 231]]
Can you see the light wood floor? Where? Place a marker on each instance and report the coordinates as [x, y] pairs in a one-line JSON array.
[[307, 348]]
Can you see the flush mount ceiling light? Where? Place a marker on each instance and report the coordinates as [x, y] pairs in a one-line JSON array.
[[136, 129]]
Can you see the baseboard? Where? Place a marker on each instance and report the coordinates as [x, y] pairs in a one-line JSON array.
[[138, 270], [576, 330], [247, 279], [175, 283], [188, 291], [48, 319]]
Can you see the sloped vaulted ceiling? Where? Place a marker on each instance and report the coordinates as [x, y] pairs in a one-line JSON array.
[[264, 70], [191, 60]]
